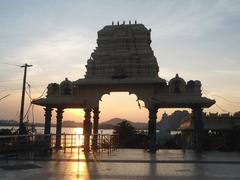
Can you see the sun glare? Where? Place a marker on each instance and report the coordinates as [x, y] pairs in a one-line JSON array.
[[79, 138], [74, 114]]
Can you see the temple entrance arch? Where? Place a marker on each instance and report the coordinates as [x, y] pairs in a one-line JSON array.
[[125, 61], [122, 105]]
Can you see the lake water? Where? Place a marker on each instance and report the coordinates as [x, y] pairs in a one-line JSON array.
[[66, 130], [73, 130]]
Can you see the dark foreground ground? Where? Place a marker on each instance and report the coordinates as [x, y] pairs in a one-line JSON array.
[[123, 164]]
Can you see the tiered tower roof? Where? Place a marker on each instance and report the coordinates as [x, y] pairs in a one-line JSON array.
[[123, 52]]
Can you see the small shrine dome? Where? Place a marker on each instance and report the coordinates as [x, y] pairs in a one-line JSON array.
[[65, 82], [177, 85], [66, 87], [178, 79]]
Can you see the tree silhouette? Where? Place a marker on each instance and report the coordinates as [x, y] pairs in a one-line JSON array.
[[125, 131]]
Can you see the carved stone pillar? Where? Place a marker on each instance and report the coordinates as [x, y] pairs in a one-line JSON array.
[[48, 115], [152, 129], [87, 128], [59, 127], [95, 126], [198, 126]]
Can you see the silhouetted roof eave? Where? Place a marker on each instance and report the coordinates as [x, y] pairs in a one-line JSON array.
[[119, 81], [60, 101], [183, 102]]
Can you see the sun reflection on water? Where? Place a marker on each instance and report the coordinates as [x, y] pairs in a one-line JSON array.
[[79, 138]]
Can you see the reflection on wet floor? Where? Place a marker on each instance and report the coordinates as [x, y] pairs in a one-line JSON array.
[[80, 169], [125, 164]]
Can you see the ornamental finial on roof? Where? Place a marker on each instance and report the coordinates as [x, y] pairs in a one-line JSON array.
[[123, 22], [135, 21], [118, 23], [112, 23], [129, 22]]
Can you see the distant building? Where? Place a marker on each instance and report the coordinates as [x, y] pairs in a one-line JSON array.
[[164, 123], [164, 133], [221, 131]]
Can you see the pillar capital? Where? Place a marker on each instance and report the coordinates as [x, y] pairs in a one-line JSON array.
[[48, 108], [87, 113], [96, 109], [152, 113], [60, 110], [48, 112]]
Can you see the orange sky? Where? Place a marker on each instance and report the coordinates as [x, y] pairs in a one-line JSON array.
[[199, 40]]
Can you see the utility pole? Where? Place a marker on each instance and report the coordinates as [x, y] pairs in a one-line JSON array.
[[21, 126]]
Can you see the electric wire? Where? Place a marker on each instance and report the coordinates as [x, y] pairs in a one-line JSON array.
[[44, 91], [11, 64], [226, 99], [6, 81], [27, 111], [233, 102], [15, 89], [4, 97], [33, 117], [219, 107]]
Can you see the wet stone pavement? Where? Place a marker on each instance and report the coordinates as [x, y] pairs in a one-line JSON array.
[[123, 164]]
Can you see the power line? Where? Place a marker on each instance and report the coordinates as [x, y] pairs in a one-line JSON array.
[[31, 106], [33, 117], [27, 112], [28, 95], [14, 89], [10, 89], [41, 85], [219, 107], [11, 64], [4, 97], [226, 99], [42, 94], [6, 81], [21, 118], [233, 102]]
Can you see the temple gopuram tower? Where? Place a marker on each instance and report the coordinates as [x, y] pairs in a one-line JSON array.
[[123, 51]]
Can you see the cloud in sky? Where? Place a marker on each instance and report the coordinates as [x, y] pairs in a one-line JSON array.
[[197, 39]]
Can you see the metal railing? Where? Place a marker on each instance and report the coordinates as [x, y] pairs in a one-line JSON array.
[[107, 142], [43, 142]]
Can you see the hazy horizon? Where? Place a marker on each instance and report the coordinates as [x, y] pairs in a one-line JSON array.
[[196, 39]]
